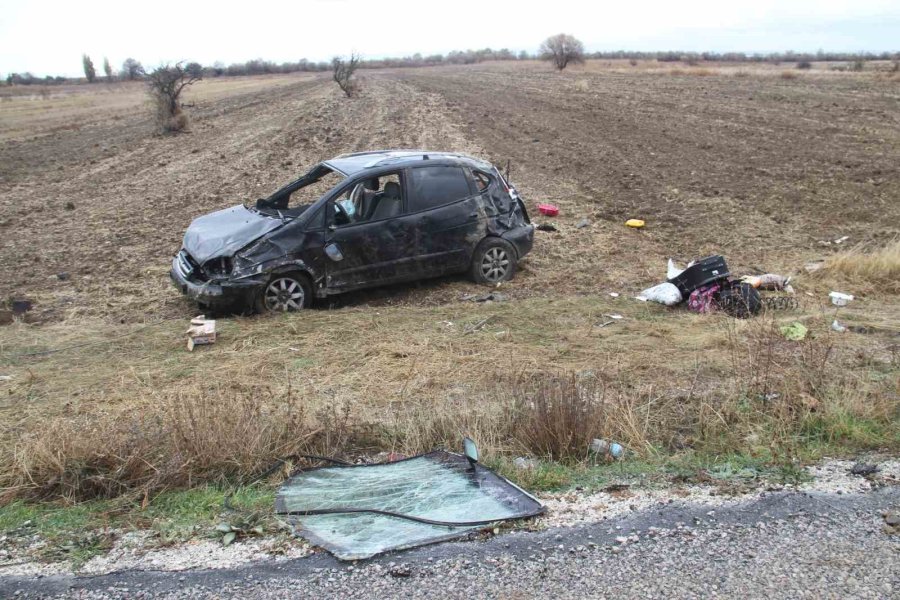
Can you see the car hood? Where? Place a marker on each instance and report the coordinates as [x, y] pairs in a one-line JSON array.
[[224, 232]]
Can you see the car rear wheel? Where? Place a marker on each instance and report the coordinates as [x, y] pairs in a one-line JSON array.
[[494, 261], [285, 292]]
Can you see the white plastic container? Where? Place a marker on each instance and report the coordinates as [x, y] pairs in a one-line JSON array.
[[840, 299]]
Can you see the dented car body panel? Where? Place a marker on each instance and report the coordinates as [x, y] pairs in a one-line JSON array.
[[394, 216]]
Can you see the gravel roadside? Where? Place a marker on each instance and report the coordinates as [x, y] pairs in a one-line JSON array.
[[777, 545]]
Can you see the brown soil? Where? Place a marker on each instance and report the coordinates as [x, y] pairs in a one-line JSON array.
[[757, 168]]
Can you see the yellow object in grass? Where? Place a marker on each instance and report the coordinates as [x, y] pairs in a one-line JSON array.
[[636, 223]]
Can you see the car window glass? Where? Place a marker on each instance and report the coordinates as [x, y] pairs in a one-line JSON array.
[[482, 180], [436, 186], [373, 199]]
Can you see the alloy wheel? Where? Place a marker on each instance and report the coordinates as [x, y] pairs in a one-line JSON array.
[[284, 294], [495, 264]]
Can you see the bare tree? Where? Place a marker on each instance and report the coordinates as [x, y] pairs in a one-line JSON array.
[[166, 84], [342, 72], [562, 49], [107, 68], [132, 69], [89, 73]]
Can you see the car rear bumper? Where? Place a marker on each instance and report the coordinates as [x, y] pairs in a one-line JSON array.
[[215, 295], [521, 237]]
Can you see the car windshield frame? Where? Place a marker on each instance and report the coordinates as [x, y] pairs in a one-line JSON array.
[[276, 204]]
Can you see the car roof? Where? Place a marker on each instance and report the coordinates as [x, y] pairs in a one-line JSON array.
[[351, 164]]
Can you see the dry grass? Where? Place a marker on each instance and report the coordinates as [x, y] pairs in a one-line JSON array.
[[729, 386], [874, 268], [788, 75], [165, 442]]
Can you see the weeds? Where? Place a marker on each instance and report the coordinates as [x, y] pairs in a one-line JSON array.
[[875, 267], [180, 441]]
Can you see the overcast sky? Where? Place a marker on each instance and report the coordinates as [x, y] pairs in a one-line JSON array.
[[50, 37]]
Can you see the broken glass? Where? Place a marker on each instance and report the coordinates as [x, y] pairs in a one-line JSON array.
[[438, 487]]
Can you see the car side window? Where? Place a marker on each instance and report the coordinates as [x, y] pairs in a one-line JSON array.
[[372, 199], [435, 186], [482, 180]]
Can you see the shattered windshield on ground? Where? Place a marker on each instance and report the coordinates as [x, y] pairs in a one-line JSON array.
[[436, 487]]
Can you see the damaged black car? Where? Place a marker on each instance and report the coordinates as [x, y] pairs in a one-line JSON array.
[[356, 221]]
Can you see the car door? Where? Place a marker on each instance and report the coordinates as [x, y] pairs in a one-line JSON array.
[[448, 214], [372, 249]]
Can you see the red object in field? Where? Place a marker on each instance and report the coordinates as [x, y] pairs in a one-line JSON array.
[[548, 210]]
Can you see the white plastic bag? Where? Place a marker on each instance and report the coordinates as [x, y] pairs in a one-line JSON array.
[[664, 293], [672, 271]]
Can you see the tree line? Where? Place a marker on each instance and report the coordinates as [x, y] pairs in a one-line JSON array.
[[132, 69]]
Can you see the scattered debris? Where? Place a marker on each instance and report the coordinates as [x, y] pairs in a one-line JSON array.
[[614, 294], [202, 331], [862, 329], [840, 298], [20, 307], [6, 377], [488, 297], [63, 276], [707, 286], [243, 526], [795, 331], [781, 302], [837, 241], [477, 326], [864, 469], [615, 316], [635, 223], [739, 300], [603, 447], [835, 326], [604, 324], [547, 227], [769, 281], [582, 224], [358, 511], [548, 210], [70, 206], [704, 299], [812, 267], [664, 293]]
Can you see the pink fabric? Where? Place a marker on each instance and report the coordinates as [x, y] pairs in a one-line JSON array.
[[703, 299]]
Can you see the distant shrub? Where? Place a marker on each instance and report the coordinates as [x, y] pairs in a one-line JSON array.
[[562, 50], [633, 62], [89, 72], [342, 72], [858, 65], [166, 83], [804, 64], [132, 69]]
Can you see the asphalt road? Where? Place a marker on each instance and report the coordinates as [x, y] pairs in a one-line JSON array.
[[783, 545]]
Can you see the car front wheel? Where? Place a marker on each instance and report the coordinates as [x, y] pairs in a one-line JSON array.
[[494, 261], [285, 292]]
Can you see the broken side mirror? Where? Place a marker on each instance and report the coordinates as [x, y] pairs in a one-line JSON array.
[[334, 252]]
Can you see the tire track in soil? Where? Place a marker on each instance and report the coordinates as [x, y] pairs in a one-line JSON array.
[[715, 164]]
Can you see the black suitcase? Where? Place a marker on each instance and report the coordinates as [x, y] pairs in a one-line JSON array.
[[703, 272]]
